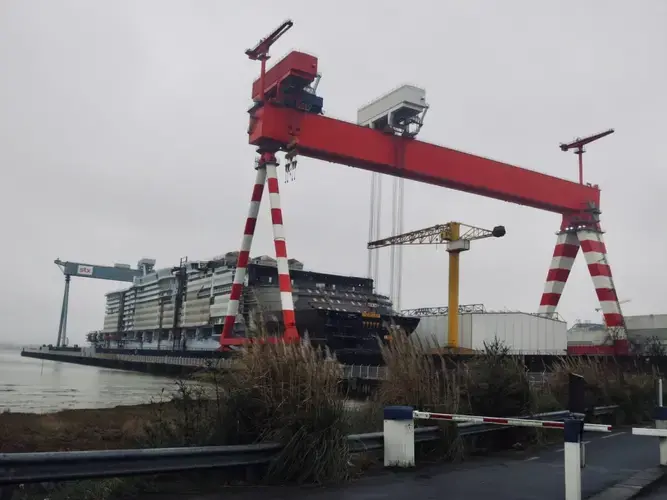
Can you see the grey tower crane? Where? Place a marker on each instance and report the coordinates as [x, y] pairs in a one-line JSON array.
[[117, 272]]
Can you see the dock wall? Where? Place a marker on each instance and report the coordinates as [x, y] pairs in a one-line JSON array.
[[156, 364]]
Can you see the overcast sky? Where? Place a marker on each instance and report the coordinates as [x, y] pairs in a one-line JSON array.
[[123, 135]]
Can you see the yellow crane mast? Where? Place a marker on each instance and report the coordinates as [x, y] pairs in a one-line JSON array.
[[457, 236]]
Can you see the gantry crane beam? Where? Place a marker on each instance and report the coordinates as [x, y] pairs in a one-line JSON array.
[[111, 273], [337, 141], [81, 270], [457, 241]]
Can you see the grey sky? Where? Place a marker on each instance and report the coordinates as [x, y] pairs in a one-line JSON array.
[[123, 135]]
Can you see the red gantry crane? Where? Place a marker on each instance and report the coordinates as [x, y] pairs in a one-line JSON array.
[[287, 116]]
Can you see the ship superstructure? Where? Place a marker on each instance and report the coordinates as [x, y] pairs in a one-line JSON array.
[[184, 307]]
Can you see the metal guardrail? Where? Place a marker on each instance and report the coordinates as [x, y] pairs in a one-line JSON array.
[[20, 468]]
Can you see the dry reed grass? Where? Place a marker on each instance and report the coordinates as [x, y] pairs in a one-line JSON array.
[[291, 394], [492, 383], [285, 393], [608, 384]]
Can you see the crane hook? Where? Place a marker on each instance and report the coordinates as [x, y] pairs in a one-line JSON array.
[[290, 165]]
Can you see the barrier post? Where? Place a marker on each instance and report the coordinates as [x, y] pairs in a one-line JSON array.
[[577, 405], [658, 389], [661, 423], [399, 437], [572, 456]]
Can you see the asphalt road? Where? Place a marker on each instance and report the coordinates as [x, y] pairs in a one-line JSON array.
[[659, 494], [610, 458]]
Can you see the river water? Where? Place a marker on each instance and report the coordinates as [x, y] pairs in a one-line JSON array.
[[35, 386]]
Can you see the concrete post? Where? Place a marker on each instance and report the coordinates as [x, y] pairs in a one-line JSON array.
[[661, 423], [399, 437], [572, 456]]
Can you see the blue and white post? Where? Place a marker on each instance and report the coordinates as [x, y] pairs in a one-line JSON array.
[[572, 453], [399, 437]]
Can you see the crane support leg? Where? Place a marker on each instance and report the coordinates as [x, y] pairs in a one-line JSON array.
[[244, 256], [62, 328], [453, 299], [589, 238], [595, 252], [284, 280], [567, 247]]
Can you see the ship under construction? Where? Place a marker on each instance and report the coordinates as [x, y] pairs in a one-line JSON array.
[[184, 307]]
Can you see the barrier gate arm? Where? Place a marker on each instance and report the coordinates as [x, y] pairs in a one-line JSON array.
[[517, 422]]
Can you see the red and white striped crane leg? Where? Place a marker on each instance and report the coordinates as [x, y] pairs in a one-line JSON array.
[[244, 254], [284, 281], [595, 252], [567, 247]]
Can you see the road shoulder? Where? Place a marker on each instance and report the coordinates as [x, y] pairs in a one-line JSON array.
[[637, 485]]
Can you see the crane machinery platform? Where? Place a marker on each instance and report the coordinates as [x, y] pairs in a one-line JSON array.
[[457, 241], [287, 116], [117, 272]]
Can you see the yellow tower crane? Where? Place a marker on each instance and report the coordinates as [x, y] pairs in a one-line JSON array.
[[457, 236]]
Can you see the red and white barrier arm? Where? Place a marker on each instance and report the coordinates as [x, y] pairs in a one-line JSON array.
[[517, 422]]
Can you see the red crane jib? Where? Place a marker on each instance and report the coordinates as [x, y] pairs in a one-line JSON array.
[[317, 136], [297, 66]]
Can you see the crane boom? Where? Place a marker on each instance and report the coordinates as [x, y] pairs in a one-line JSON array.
[[261, 50], [580, 142], [436, 234]]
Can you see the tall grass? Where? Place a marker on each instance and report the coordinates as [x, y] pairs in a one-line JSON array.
[[633, 390], [286, 393], [492, 383], [291, 394]]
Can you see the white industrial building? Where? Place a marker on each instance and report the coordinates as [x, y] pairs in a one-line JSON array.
[[523, 333], [640, 330]]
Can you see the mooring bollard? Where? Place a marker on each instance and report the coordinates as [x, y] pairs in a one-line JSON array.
[[399, 437], [572, 455]]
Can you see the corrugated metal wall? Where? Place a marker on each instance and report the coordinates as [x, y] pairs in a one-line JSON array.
[[647, 326]]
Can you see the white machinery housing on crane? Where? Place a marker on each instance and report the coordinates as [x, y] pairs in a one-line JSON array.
[[398, 109]]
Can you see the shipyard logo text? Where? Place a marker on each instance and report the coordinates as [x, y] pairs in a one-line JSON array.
[[85, 270]]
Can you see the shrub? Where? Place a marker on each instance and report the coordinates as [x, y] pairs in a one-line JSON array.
[[496, 384]]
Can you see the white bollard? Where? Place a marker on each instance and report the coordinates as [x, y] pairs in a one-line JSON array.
[[661, 423], [572, 456], [399, 437], [659, 391]]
